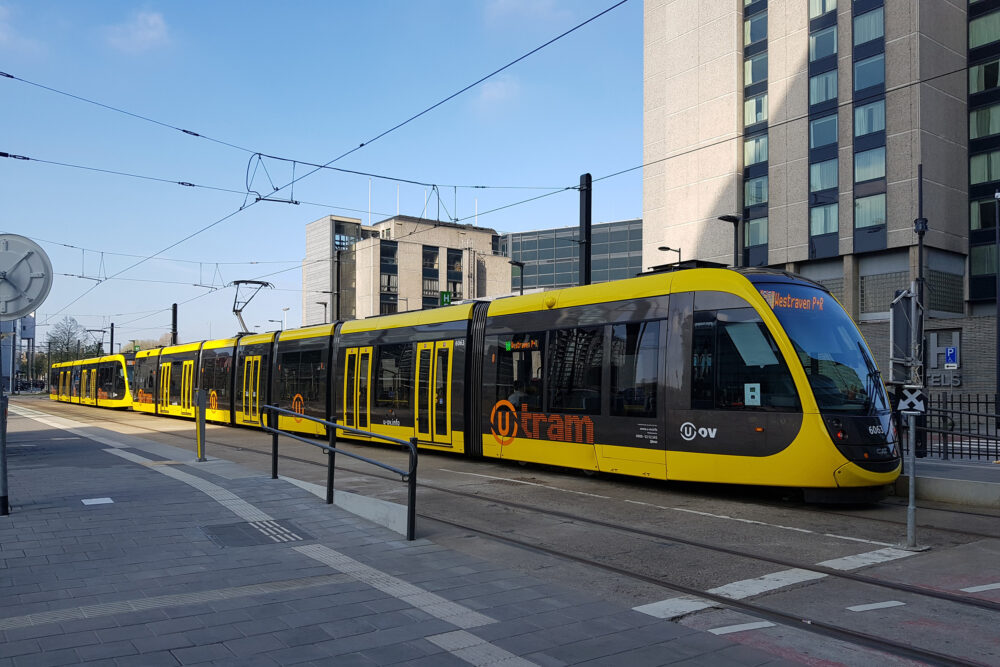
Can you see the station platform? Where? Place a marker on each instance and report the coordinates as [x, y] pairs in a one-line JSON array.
[[124, 551], [968, 482]]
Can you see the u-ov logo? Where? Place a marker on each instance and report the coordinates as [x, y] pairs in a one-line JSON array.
[[689, 431], [503, 422]]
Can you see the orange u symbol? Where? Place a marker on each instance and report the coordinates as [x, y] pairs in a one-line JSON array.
[[298, 405], [503, 422]]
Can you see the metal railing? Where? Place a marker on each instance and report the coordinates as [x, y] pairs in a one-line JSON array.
[[960, 426], [408, 476]]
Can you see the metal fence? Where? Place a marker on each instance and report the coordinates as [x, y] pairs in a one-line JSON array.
[[959, 426], [409, 475]]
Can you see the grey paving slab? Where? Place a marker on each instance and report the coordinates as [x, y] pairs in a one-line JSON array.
[[176, 571]]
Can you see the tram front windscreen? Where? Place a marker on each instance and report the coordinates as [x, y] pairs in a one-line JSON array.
[[836, 359]]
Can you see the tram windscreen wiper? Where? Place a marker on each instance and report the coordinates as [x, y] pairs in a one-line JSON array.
[[873, 382]]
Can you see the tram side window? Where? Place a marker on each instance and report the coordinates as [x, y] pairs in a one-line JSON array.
[[634, 364], [519, 370], [736, 365], [393, 388], [575, 359], [288, 375]]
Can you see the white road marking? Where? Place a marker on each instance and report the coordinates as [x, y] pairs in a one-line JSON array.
[[97, 501], [742, 628], [862, 560], [980, 589], [739, 590], [475, 651], [876, 605], [520, 481], [761, 523]]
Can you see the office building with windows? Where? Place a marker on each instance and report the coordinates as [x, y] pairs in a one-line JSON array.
[[352, 271], [808, 119], [551, 257]]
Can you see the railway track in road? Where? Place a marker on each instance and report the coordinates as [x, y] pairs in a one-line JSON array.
[[634, 538]]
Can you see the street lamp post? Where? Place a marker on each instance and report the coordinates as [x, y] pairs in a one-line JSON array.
[[737, 221], [520, 266], [284, 314], [322, 303], [277, 322], [669, 249]]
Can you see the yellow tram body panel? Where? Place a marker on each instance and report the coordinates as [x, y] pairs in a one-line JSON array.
[[248, 411], [125, 401], [298, 424], [212, 412], [182, 404], [143, 400]]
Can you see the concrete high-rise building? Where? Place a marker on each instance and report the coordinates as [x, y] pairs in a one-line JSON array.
[[808, 119], [352, 271]]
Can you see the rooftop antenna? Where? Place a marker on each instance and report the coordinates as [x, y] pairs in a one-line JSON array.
[[249, 289]]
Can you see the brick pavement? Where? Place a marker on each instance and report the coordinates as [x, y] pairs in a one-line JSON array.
[[176, 563]]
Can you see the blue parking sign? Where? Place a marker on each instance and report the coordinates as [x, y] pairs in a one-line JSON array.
[[951, 357]]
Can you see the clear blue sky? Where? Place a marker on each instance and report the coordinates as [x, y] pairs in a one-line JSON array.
[[307, 81]]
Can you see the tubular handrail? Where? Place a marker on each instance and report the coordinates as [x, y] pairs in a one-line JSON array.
[[409, 476]]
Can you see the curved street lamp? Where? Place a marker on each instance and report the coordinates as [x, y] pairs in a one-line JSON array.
[[737, 221]]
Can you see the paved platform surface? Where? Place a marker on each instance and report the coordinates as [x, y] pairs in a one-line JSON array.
[[970, 482], [120, 551]]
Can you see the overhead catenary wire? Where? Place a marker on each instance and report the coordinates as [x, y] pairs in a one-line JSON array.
[[349, 152]]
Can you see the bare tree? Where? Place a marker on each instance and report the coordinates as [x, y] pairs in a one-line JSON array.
[[68, 340]]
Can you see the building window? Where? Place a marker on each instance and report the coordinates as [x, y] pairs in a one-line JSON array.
[[430, 257], [869, 165], [869, 26], [819, 7], [755, 150], [984, 122], [823, 43], [984, 30], [387, 253], [431, 287], [755, 110], [984, 76], [869, 211], [389, 283], [755, 191], [823, 176], [454, 260], [869, 72], [755, 232], [755, 69], [388, 308], [984, 168], [823, 220], [823, 87], [755, 29], [983, 260], [823, 131], [869, 118], [982, 213], [455, 287]]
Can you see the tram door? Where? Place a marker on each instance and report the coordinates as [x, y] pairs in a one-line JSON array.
[[433, 400], [251, 389], [357, 388], [85, 385], [164, 386], [187, 385], [93, 385]]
